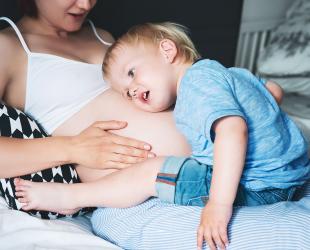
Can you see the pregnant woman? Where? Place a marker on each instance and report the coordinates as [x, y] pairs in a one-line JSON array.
[[51, 69]]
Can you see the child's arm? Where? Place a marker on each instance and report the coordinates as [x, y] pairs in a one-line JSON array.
[[230, 147], [275, 90]]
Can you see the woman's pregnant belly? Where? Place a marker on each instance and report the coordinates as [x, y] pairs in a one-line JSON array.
[[158, 129]]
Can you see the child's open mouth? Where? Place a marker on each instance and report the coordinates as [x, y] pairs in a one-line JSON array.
[[145, 95]]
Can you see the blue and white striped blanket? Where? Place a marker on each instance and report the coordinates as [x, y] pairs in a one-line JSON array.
[[159, 226]]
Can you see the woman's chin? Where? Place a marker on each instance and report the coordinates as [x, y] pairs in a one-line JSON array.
[[73, 25], [73, 28]]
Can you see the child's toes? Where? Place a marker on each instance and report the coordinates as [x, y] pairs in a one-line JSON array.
[[20, 188], [23, 182], [16, 181], [27, 207], [20, 194], [23, 200]]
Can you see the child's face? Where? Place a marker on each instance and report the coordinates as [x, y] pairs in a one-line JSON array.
[[143, 74]]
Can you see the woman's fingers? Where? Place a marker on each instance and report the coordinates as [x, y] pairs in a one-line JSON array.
[[132, 151], [107, 150], [130, 142], [114, 125], [116, 165], [125, 159]]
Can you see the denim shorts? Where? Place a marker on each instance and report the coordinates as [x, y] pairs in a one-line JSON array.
[[185, 181]]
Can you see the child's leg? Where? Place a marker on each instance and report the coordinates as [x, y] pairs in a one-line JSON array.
[[184, 181], [124, 188]]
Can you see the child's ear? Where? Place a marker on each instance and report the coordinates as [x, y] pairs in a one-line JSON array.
[[168, 50]]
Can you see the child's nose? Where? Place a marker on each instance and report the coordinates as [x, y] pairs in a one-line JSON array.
[[133, 92]]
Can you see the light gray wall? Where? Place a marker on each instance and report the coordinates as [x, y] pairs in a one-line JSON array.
[[263, 13]]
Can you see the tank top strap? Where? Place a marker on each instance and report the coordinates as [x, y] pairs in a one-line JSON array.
[[20, 37], [96, 33]]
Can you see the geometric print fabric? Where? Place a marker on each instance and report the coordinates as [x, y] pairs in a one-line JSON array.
[[16, 124]]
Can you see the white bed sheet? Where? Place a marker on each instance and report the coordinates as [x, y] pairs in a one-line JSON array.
[[21, 231]]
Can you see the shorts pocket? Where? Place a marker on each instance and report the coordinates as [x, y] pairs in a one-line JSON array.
[[284, 194], [200, 201], [275, 195]]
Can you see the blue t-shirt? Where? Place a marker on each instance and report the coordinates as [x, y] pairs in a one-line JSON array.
[[276, 151]]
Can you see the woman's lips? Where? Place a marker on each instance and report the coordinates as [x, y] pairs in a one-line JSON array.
[[77, 16]]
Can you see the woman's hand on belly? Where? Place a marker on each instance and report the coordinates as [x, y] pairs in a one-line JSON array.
[[96, 147]]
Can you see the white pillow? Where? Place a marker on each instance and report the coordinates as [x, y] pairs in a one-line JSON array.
[[288, 51]]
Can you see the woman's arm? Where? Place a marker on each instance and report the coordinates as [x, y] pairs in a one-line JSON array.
[[23, 156], [94, 147], [20, 156]]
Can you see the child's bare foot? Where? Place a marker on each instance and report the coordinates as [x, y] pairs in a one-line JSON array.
[[46, 196]]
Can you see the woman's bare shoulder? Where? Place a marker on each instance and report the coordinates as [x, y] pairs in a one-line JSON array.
[[105, 35], [87, 33], [10, 51], [9, 43], [6, 37]]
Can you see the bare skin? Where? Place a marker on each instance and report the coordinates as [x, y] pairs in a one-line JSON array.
[[119, 189], [127, 183], [55, 36], [157, 128], [54, 32], [98, 192], [49, 36]]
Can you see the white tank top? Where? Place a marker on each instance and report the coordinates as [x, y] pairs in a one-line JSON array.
[[58, 87]]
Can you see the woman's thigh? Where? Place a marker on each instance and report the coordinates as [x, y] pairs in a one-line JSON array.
[[157, 225]]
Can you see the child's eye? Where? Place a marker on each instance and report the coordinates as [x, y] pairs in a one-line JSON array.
[[128, 95], [131, 73]]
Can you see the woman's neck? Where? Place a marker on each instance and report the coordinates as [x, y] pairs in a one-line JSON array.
[[41, 26]]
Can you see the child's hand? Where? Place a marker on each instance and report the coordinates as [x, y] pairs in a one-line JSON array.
[[213, 225]]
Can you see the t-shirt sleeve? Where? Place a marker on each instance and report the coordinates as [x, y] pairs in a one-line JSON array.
[[221, 103], [213, 98]]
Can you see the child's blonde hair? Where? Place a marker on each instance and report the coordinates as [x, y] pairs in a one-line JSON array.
[[154, 33]]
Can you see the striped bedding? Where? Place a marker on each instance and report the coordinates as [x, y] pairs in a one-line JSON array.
[[160, 226]]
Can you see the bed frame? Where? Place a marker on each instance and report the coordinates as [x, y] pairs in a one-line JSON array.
[[259, 17]]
